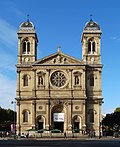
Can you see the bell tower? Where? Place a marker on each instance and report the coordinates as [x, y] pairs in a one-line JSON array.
[[27, 43], [91, 56], [91, 43]]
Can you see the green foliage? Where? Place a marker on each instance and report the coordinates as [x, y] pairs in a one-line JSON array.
[[7, 117], [117, 109], [111, 120]]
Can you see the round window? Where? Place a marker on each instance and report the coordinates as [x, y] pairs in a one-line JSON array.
[[58, 79]]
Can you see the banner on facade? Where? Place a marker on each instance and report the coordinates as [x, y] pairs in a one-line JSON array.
[[58, 117]]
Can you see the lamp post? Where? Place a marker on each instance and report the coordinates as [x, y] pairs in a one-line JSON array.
[[14, 118]]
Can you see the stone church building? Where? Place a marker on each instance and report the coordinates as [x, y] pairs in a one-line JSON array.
[[59, 91]]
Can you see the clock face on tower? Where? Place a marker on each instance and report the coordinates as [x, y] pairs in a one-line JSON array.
[[58, 79]]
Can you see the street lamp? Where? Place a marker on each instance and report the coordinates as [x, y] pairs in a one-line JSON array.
[[14, 118]]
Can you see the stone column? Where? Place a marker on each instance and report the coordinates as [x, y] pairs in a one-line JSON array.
[[19, 49], [100, 118], [48, 115], [83, 83], [69, 116], [71, 82], [49, 81], [84, 117], [34, 83], [69, 111], [33, 114], [18, 84], [18, 126]]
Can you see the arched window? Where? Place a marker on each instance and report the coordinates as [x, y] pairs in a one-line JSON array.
[[92, 80], [26, 47], [93, 47], [25, 116], [25, 80], [89, 47], [91, 116]]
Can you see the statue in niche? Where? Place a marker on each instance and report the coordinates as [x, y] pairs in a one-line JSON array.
[[40, 80], [76, 80]]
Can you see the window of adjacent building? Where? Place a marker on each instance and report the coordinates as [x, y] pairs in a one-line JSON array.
[[91, 80], [26, 47], [25, 80], [91, 47], [25, 116]]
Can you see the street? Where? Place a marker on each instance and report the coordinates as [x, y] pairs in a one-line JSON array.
[[60, 143]]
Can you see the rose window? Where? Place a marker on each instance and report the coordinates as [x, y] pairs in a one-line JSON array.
[[58, 79]]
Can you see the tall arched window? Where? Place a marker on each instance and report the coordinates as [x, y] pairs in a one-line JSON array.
[[25, 80], [92, 80], [93, 47], [26, 47], [25, 116], [89, 47]]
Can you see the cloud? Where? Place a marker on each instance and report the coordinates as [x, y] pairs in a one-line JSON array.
[[8, 36], [13, 8], [17, 12], [116, 37], [7, 91], [7, 62]]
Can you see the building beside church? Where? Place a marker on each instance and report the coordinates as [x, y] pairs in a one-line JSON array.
[[59, 91]]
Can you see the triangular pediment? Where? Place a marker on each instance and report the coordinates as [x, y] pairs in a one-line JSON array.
[[58, 58]]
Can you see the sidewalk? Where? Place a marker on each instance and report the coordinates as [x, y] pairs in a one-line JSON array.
[[108, 138]]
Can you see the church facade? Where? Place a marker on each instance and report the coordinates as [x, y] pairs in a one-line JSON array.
[[59, 91]]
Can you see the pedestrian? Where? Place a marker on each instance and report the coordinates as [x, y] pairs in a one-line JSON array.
[[27, 135], [99, 135], [64, 134], [91, 134]]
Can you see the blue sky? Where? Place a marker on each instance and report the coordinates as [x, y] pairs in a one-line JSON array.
[[61, 22]]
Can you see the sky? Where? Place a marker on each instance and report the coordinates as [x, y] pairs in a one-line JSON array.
[[61, 22]]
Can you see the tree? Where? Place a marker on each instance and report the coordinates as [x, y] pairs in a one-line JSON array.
[[111, 120], [6, 119], [117, 109]]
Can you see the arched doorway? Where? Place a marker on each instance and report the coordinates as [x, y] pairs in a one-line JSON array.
[[57, 118], [40, 122], [76, 123]]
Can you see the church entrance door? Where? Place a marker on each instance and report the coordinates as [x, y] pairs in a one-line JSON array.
[[76, 124], [58, 119], [59, 126], [40, 125], [58, 115]]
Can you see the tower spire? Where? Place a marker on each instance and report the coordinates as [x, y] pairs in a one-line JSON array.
[[91, 16], [28, 17]]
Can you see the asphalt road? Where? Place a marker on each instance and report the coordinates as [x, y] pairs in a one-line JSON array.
[[60, 143]]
